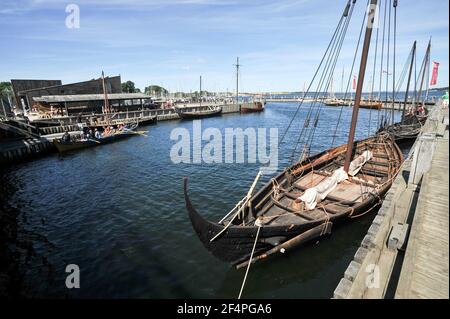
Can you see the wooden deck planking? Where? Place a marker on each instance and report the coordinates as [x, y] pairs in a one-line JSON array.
[[425, 272]]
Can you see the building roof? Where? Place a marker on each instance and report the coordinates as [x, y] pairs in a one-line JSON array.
[[89, 97], [60, 84]]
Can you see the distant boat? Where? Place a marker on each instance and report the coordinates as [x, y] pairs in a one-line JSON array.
[[332, 100], [252, 107], [81, 144], [141, 121], [191, 115], [374, 105]]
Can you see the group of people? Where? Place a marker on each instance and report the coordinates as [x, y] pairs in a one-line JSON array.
[[88, 133], [418, 110]]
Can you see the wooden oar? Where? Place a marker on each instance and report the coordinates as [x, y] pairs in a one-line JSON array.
[[312, 233]]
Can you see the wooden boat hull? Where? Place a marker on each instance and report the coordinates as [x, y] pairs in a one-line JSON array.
[[193, 115], [77, 145], [408, 130], [255, 108], [149, 121], [371, 105], [235, 244]]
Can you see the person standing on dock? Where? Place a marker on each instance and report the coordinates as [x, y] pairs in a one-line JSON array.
[[445, 99]]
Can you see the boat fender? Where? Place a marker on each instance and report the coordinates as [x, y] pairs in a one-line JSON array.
[[274, 241]]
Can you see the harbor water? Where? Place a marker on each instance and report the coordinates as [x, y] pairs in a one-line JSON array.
[[117, 211]]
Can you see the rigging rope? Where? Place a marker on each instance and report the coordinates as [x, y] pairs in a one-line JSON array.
[[310, 84], [327, 56], [393, 62], [373, 73], [330, 79], [249, 263], [334, 53], [380, 120], [349, 78], [387, 60]]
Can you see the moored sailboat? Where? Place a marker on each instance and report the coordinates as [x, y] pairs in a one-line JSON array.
[[412, 121], [305, 200], [189, 114]]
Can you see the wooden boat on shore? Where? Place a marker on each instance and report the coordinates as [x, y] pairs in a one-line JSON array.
[[285, 223], [253, 107], [192, 115]]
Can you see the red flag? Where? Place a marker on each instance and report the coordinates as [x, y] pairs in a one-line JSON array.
[[435, 73], [354, 82]]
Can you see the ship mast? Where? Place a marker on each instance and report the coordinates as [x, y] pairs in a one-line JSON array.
[[413, 54], [359, 86], [200, 94], [424, 70], [105, 93], [237, 65]]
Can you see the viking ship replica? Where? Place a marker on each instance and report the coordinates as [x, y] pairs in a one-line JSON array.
[[252, 107], [411, 122], [192, 115], [188, 114], [305, 200], [90, 142], [376, 105]]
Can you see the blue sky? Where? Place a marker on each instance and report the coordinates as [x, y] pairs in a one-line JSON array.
[[172, 42]]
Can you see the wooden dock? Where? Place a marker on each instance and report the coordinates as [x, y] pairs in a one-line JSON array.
[[425, 267], [405, 253], [32, 145], [398, 105]]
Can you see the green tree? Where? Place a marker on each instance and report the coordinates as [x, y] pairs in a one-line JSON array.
[[5, 87], [155, 90], [129, 87]]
